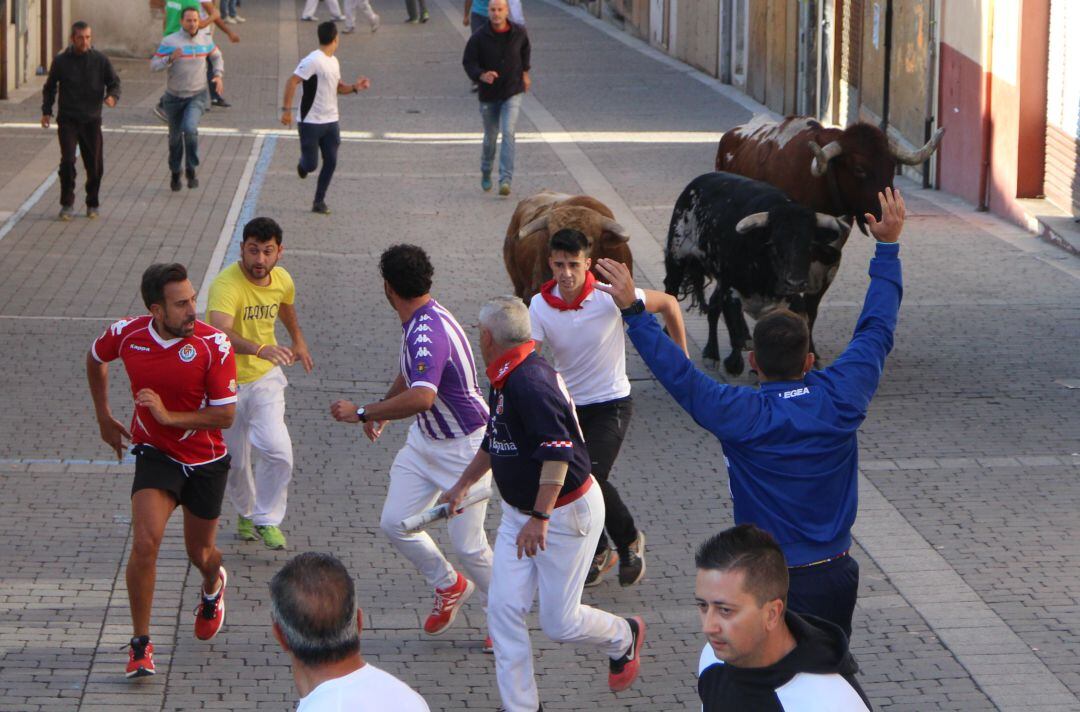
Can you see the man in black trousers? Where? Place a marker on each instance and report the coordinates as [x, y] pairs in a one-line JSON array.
[[87, 80]]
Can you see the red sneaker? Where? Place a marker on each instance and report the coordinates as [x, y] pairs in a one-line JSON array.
[[447, 603], [140, 657], [210, 614], [489, 647], [624, 671]]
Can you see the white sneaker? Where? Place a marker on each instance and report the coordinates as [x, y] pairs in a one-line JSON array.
[[349, 30], [375, 23], [239, 19], [309, 18], [230, 20]]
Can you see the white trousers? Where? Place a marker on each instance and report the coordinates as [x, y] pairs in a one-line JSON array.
[[364, 6], [259, 490], [311, 5], [559, 575], [422, 471]]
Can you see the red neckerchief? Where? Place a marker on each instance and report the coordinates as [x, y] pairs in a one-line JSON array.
[[548, 293], [501, 368]]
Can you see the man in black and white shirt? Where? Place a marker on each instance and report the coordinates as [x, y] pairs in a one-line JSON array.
[[317, 118], [761, 656]]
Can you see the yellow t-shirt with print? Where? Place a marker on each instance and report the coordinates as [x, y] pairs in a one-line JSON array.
[[254, 310]]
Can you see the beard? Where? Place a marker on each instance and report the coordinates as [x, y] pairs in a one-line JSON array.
[[185, 328]]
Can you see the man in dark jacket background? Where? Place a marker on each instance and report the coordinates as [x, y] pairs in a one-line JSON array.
[[87, 80], [761, 656], [497, 58], [791, 446]]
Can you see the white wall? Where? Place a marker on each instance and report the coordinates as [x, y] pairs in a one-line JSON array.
[[134, 30]]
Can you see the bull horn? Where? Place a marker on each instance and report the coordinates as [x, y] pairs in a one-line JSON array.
[[536, 225], [820, 165], [615, 228], [752, 222], [914, 158], [829, 222]]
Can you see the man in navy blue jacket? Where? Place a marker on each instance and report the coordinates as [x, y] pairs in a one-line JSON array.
[[790, 446]]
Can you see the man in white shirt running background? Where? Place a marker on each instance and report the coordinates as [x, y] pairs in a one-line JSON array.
[[317, 117], [582, 329], [317, 622]]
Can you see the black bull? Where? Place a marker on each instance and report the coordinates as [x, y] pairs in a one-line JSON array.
[[763, 250]]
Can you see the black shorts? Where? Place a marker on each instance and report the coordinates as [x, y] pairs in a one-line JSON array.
[[199, 488]]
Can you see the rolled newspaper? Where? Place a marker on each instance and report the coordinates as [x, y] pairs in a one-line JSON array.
[[418, 522]]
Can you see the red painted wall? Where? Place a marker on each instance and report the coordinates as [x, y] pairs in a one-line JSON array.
[[961, 101]]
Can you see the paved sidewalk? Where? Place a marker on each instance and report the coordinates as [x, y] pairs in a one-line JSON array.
[[969, 521]]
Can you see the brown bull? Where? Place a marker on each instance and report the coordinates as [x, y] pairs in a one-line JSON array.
[[536, 218], [834, 171]]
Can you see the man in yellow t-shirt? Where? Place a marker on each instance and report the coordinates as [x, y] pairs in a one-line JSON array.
[[246, 300]]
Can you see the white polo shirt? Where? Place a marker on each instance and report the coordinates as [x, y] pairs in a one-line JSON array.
[[368, 689], [587, 345]]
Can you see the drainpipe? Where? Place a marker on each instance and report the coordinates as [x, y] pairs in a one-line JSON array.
[[888, 67], [928, 127], [984, 168]]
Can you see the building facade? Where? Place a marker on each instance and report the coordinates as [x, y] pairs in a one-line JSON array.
[[999, 75]]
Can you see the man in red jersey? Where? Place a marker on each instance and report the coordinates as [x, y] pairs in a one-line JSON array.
[[183, 378]]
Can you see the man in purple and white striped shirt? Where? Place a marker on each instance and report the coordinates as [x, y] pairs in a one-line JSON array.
[[437, 384]]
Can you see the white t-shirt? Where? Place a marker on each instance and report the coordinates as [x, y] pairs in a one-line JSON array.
[[318, 102], [368, 689], [587, 345]]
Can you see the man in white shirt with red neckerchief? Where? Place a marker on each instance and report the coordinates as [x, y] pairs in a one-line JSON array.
[[582, 329], [183, 379]]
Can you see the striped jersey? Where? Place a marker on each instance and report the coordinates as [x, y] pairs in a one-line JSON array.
[[435, 354]]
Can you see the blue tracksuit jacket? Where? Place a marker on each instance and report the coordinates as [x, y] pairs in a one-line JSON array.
[[790, 446]]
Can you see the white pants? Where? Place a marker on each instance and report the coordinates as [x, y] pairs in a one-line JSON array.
[[364, 6], [259, 490], [559, 575], [310, 5], [422, 471]]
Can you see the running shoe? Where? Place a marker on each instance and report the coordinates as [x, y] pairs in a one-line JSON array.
[[624, 671], [239, 19], [174, 182], [92, 212], [271, 536], [632, 562], [602, 563], [66, 213], [448, 602], [210, 614], [425, 16], [140, 657], [489, 646], [504, 188], [320, 208], [376, 23], [245, 529], [485, 182]]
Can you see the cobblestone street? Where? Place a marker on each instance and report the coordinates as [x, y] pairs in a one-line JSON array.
[[968, 536]]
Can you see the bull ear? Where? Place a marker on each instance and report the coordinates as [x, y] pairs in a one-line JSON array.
[[609, 225], [820, 165], [828, 222], [914, 158], [752, 222], [536, 225]]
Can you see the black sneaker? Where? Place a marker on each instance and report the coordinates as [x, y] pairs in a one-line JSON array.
[[632, 562], [602, 563], [192, 181], [300, 171], [320, 208], [220, 101], [174, 183]]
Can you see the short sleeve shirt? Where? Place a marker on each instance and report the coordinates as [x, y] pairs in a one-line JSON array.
[[587, 345], [436, 354], [321, 75], [187, 373], [533, 421], [368, 689], [254, 310]]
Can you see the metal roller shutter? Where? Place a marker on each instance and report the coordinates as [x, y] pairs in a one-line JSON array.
[[1062, 182]]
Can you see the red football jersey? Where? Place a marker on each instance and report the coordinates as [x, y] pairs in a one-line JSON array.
[[187, 373]]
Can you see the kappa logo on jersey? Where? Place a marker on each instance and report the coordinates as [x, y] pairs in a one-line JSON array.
[[422, 352], [223, 344], [140, 348], [187, 353], [118, 326], [500, 444], [424, 317], [422, 327], [421, 339], [232, 385]]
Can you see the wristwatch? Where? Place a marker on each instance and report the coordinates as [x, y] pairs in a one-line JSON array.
[[638, 307], [539, 515], [361, 414]]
